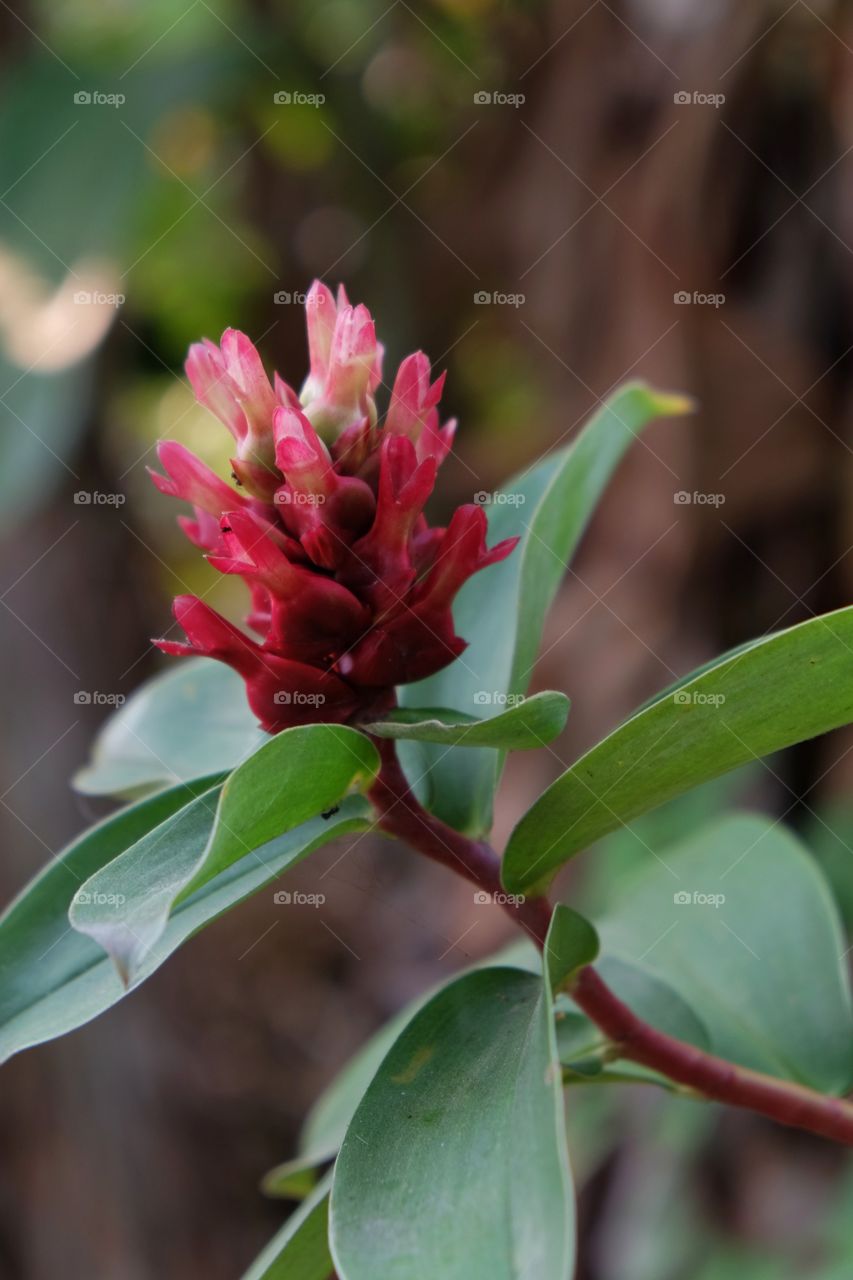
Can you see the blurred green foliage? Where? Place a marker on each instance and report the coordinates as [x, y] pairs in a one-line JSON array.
[[143, 153]]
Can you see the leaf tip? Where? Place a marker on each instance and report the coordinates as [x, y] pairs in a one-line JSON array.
[[672, 404]]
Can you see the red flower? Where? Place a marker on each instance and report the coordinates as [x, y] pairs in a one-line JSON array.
[[351, 589]]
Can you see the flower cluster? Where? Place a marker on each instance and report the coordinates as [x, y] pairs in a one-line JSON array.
[[351, 589]]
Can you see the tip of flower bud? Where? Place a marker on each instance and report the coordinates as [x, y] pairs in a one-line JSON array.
[[297, 444]]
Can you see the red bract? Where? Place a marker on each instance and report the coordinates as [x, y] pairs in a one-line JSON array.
[[351, 589]]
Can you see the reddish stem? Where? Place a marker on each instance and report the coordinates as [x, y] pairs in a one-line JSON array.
[[402, 815], [790, 1104]]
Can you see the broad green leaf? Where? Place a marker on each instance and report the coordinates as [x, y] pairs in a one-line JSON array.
[[795, 685], [191, 721], [53, 979], [295, 776], [455, 1162], [674, 687], [649, 996], [327, 1121], [329, 1118], [739, 922], [501, 611], [528, 723], [300, 1250]]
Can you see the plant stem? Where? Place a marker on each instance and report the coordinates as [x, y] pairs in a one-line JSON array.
[[402, 815], [787, 1103]]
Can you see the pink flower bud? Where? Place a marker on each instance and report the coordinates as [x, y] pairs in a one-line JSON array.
[[230, 381], [351, 589], [187, 477], [346, 363]]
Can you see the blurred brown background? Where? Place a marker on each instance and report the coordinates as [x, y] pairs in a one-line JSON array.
[[640, 189]]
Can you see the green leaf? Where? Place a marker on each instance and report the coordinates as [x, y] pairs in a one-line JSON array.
[[191, 721], [795, 685], [828, 832], [295, 776], [292, 1179], [501, 611], [125, 905], [330, 1116], [584, 1048], [529, 723], [755, 950], [54, 979], [572, 942], [455, 1163], [654, 999], [300, 1250]]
